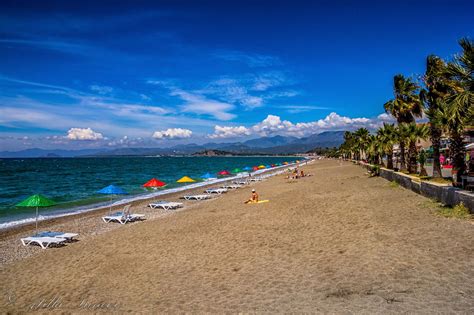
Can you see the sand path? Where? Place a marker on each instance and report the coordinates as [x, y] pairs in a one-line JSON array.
[[336, 242]]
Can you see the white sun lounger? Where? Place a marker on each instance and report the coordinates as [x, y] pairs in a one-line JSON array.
[[166, 205], [231, 186], [197, 197], [216, 191], [240, 182], [67, 236], [44, 241], [122, 217]]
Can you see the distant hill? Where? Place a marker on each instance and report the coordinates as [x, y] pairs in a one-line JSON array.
[[264, 145], [267, 142], [35, 153]]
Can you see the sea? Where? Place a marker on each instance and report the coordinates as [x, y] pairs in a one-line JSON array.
[[73, 182]]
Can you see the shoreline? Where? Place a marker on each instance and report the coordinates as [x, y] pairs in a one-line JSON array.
[[89, 222], [4, 227]]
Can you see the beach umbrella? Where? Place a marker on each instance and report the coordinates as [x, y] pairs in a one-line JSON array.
[[255, 168], [185, 179], [154, 183], [112, 190], [207, 176], [223, 173], [247, 168], [273, 165], [36, 201], [236, 170], [261, 166], [268, 166], [285, 163]]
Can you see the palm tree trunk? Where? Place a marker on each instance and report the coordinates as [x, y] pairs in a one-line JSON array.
[[458, 154], [390, 160], [436, 143], [403, 166], [412, 166]]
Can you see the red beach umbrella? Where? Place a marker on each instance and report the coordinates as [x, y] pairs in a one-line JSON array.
[[255, 168], [154, 183], [223, 173]]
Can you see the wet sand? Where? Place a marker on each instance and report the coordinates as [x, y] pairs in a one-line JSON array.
[[336, 242]]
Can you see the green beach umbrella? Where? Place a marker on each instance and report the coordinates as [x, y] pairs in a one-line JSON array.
[[236, 170], [36, 201]]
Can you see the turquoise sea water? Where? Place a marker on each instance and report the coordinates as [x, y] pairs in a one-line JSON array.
[[73, 182]]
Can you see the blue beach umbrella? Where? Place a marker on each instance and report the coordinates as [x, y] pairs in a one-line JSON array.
[[207, 176], [112, 190], [247, 168], [268, 166]]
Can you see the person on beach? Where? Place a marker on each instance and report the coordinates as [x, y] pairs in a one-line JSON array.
[[253, 197], [302, 173]]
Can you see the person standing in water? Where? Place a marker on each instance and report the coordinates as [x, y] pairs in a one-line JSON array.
[[253, 197]]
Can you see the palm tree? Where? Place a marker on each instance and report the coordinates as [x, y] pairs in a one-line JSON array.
[[405, 106], [388, 137], [374, 149], [361, 137], [436, 80], [347, 148], [460, 105], [414, 133]]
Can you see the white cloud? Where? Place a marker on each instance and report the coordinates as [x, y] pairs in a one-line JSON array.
[[145, 97], [199, 104], [229, 132], [83, 134], [101, 89], [268, 80], [271, 125], [233, 91], [274, 125], [173, 133]]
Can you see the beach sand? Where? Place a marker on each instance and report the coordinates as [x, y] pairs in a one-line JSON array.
[[336, 242]]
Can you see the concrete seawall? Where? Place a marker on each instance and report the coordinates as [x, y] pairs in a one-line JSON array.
[[445, 194]]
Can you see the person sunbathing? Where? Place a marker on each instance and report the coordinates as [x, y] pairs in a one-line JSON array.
[[253, 198]]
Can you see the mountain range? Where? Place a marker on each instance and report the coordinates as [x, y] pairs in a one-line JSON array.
[[264, 145]]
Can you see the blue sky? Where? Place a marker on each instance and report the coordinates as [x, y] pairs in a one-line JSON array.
[[110, 74]]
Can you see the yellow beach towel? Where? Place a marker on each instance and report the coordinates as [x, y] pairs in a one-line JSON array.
[[260, 201]]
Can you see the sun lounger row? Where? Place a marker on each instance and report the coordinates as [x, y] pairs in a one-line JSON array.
[[47, 239]]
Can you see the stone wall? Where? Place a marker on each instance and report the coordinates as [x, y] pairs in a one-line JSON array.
[[445, 194]]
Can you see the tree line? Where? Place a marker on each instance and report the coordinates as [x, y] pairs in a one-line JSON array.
[[444, 94]]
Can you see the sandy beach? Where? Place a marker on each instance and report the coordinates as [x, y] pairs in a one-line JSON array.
[[337, 242]]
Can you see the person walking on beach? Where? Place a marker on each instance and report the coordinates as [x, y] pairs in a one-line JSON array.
[[253, 197]]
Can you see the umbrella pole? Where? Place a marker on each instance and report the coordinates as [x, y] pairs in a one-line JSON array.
[[36, 220]]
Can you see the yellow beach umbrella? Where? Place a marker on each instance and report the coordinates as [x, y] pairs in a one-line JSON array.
[[185, 179], [261, 166]]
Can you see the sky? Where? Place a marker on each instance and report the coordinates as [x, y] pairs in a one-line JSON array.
[[97, 74]]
